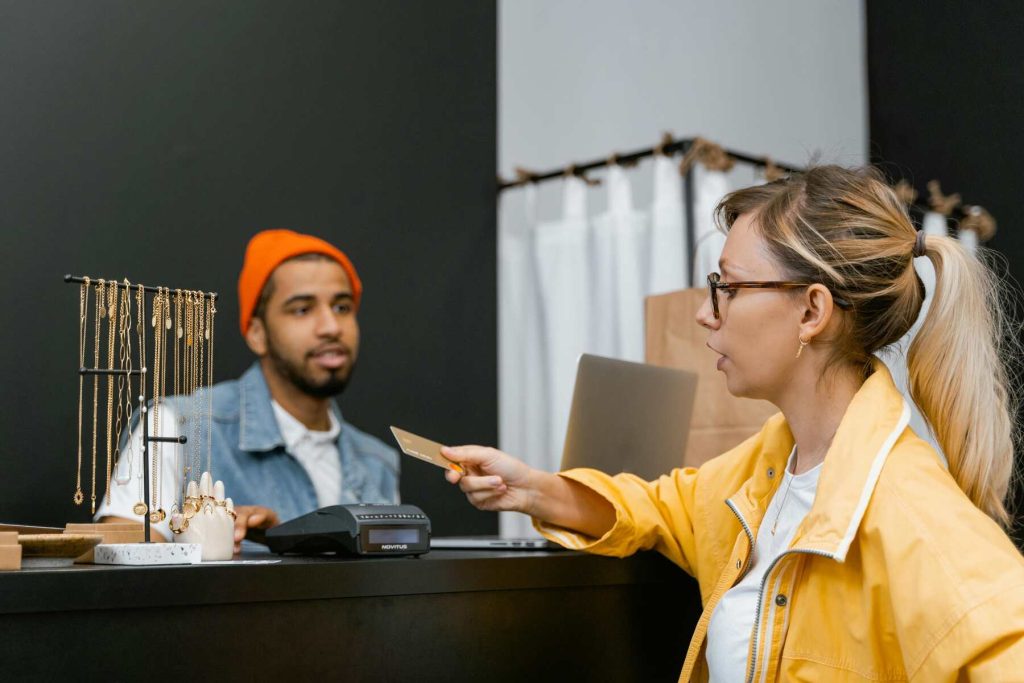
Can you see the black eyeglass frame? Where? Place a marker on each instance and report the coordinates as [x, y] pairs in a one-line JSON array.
[[715, 284]]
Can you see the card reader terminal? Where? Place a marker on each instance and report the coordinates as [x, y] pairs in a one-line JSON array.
[[354, 529]]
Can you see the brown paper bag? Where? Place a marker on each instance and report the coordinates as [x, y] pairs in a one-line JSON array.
[[674, 339]]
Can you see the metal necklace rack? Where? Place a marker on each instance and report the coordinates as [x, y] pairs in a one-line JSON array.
[[143, 408]]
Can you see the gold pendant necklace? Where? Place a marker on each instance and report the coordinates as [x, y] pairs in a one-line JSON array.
[[113, 319], [211, 311], [83, 314], [189, 304], [157, 513], [197, 373], [163, 381], [141, 508], [163, 384], [155, 446], [100, 313], [176, 340]]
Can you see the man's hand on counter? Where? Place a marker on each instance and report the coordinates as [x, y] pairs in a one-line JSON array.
[[251, 521]]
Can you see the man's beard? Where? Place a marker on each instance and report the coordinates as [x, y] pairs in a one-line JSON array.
[[332, 386]]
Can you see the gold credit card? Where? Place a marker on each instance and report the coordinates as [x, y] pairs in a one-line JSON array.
[[424, 449]]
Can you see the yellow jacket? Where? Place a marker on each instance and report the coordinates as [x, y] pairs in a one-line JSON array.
[[893, 575]]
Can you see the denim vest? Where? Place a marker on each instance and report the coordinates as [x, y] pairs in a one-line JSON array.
[[249, 453]]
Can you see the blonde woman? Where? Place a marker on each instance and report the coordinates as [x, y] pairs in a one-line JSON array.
[[835, 544]]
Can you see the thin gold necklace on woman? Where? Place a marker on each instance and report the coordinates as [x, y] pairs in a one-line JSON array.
[[791, 475], [789, 484]]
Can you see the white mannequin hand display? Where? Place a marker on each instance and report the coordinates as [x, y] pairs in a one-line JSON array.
[[207, 518]]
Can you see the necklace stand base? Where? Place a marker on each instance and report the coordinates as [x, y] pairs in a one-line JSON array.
[[146, 554]]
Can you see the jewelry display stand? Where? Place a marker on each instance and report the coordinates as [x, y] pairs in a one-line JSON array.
[[147, 552]]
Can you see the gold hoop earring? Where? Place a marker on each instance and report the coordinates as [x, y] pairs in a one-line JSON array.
[[801, 349]]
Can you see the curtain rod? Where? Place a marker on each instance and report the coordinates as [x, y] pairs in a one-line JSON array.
[[668, 148]]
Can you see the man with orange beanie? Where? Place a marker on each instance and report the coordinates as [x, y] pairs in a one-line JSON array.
[[279, 442]]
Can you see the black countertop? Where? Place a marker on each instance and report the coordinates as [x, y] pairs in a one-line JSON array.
[[449, 615], [97, 587]]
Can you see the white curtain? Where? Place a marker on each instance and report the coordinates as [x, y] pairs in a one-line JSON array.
[[561, 252], [573, 285], [969, 239], [620, 273], [708, 188], [544, 276], [668, 258], [522, 419], [933, 224]]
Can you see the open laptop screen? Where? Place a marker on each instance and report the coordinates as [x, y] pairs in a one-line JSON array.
[[628, 417]]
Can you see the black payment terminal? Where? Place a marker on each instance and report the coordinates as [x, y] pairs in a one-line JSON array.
[[354, 529]]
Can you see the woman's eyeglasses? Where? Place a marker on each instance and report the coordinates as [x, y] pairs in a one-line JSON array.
[[715, 284]]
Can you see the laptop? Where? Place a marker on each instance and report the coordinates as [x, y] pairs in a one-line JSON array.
[[625, 417]]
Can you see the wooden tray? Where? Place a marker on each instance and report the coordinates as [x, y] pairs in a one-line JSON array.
[[26, 529], [57, 545]]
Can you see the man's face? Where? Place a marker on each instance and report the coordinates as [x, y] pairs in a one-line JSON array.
[[311, 333]]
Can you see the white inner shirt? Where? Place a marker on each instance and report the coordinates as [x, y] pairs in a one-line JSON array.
[[732, 622], [316, 451]]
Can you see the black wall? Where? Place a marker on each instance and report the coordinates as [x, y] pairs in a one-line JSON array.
[[150, 140], [946, 92]]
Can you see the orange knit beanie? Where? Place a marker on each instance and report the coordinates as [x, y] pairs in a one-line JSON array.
[[269, 249]]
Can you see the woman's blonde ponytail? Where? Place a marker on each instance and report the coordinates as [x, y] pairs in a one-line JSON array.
[[958, 376]]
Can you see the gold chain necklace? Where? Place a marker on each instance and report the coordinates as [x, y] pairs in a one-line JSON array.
[[187, 339], [178, 377], [191, 505], [197, 374], [212, 310], [113, 319], [789, 485], [782, 505], [124, 397], [100, 312], [157, 514], [140, 508], [155, 446], [163, 377], [83, 314]]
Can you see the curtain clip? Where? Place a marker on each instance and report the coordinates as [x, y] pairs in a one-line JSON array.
[[615, 160], [905, 191], [771, 171], [979, 221], [571, 170], [666, 140], [711, 156], [525, 175], [939, 202]]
